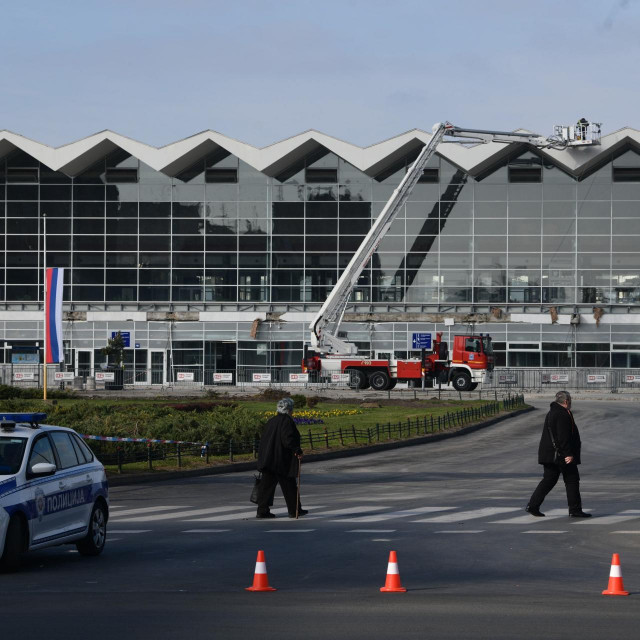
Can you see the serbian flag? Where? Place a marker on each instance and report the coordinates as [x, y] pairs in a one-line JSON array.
[[53, 315]]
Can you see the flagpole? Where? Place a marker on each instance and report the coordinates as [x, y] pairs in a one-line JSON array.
[[44, 326]]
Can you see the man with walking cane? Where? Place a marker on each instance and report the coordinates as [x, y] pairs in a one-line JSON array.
[[279, 461]]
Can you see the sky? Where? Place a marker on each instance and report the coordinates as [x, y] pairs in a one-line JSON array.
[[360, 70]]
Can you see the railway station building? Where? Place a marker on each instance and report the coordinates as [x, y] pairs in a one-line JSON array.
[[212, 255]]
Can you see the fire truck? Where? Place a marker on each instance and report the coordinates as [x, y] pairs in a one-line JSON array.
[[471, 358]]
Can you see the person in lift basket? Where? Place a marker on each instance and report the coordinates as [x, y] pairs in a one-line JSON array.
[[279, 456], [559, 453]]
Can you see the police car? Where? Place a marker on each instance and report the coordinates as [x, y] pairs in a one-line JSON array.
[[53, 490]]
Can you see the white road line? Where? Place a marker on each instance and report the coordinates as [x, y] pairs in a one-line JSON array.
[[605, 519], [351, 510], [119, 531], [371, 531], [289, 530], [206, 531], [630, 532], [462, 516], [551, 514], [130, 512], [113, 539], [396, 514], [458, 531], [234, 516], [244, 515], [543, 531], [177, 514]]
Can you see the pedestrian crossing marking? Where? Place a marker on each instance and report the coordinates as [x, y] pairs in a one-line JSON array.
[[244, 515], [119, 531], [613, 519], [206, 531], [469, 515], [551, 514], [177, 514], [348, 511], [141, 510], [396, 514], [630, 532], [363, 514]]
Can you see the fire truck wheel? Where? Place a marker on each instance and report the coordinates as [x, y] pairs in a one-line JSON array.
[[473, 386], [392, 384], [379, 380], [461, 381], [358, 379]]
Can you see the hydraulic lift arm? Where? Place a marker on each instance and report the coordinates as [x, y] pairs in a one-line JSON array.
[[332, 311]]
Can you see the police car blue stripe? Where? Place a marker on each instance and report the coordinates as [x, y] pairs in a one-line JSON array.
[[7, 486]]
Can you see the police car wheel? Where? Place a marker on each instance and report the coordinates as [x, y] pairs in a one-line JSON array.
[[93, 543], [13, 546]]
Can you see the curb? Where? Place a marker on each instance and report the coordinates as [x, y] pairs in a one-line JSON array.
[[123, 480]]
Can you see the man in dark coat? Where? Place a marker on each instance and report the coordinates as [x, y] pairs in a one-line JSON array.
[[278, 458], [559, 453]]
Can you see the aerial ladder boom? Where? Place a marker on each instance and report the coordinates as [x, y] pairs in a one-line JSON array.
[[332, 311]]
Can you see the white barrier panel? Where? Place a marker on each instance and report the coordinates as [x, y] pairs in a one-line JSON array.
[[340, 377], [298, 377], [596, 377], [508, 378], [559, 377], [633, 379], [223, 377], [63, 375], [105, 376], [262, 377], [184, 376], [24, 376]]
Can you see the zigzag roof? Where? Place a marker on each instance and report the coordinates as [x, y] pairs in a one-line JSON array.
[[171, 159]]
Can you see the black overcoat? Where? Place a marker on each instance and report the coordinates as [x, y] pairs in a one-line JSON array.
[[566, 433], [279, 443]]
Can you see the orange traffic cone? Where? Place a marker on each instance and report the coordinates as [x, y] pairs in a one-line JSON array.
[[260, 580], [616, 588], [393, 576]]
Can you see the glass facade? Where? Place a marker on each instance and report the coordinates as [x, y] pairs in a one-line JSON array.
[[522, 237]]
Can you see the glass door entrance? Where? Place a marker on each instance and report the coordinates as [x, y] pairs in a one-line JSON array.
[[84, 363], [157, 366]]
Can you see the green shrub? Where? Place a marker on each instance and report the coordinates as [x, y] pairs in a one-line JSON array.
[[158, 421]]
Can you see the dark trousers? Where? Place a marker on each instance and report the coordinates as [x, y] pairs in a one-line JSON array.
[[268, 484], [550, 477]]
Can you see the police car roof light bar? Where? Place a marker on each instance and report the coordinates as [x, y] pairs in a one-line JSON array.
[[31, 418]]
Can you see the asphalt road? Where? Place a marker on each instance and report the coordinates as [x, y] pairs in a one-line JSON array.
[[180, 554]]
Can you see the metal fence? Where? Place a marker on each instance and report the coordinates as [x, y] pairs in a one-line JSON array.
[[193, 378], [538, 379], [151, 454]]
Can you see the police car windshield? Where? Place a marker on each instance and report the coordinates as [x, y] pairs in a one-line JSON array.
[[11, 452]]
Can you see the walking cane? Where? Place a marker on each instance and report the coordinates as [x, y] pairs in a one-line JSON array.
[[298, 496]]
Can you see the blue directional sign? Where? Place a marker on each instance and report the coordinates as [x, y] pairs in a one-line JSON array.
[[126, 337], [421, 341]]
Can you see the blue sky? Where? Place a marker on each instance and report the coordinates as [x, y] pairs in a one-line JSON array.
[[360, 70]]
